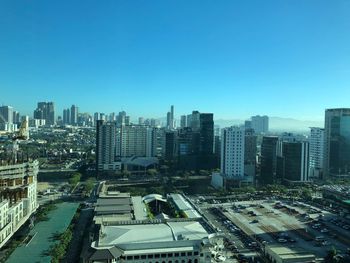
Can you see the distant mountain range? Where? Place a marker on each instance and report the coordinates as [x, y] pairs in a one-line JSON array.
[[278, 124]]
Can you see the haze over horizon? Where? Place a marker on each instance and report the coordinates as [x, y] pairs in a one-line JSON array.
[[236, 59]]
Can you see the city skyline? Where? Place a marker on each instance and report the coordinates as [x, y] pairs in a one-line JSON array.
[[233, 59]]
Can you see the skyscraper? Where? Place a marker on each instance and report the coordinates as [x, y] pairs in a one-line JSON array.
[[316, 151], [183, 121], [295, 156], [260, 124], [268, 160], [337, 142], [74, 115], [232, 152], [45, 111], [170, 121], [105, 145], [66, 116], [6, 113], [206, 124], [250, 150]]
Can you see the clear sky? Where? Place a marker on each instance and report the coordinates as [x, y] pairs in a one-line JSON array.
[[283, 58]]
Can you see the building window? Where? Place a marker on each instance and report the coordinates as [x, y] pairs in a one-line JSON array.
[[189, 254], [150, 256], [183, 254], [196, 253], [136, 257], [156, 255], [170, 255], [163, 255], [129, 257], [143, 256]]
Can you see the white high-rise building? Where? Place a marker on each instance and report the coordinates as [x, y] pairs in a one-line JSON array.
[[232, 152], [260, 124], [316, 151], [136, 140]]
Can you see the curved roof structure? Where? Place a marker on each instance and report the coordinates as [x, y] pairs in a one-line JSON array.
[[153, 197]]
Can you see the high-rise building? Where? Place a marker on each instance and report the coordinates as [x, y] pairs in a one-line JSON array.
[[316, 152], [232, 152], [106, 146], [66, 116], [46, 111], [74, 115], [172, 119], [250, 151], [18, 197], [268, 160], [169, 145], [337, 142], [141, 121], [195, 121], [206, 124], [260, 124], [136, 140], [6, 118], [183, 121], [295, 158]]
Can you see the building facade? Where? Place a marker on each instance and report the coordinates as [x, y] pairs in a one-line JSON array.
[[316, 152], [232, 152], [106, 146], [268, 160], [260, 124], [18, 197], [337, 142], [295, 157]]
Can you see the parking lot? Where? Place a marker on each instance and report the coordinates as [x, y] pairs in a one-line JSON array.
[[259, 224]]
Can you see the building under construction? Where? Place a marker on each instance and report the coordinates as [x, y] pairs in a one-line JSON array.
[[18, 196]]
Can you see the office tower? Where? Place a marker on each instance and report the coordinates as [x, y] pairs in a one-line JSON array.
[[168, 120], [16, 117], [46, 111], [232, 152], [74, 115], [121, 118], [136, 140], [169, 145], [105, 145], [183, 121], [66, 116], [141, 121], [127, 120], [248, 124], [295, 162], [268, 160], [18, 197], [260, 124], [112, 117], [206, 130], [337, 142], [250, 151], [195, 121], [6, 114], [172, 119], [6, 119], [96, 117], [316, 152]]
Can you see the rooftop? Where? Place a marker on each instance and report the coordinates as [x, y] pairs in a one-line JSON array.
[[151, 233]]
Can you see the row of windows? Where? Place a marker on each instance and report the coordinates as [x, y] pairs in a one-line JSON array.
[[164, 255]]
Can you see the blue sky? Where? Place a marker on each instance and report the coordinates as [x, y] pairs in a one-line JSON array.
[[234, 58]]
